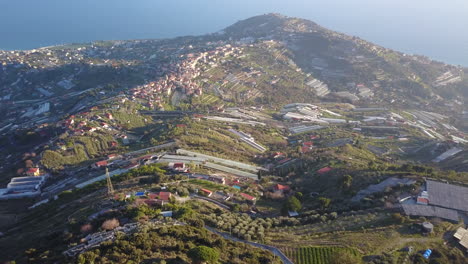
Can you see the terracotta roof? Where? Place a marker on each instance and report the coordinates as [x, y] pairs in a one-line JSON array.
[[305, 149], [179, 165], [282, 187], [101, 163], [206, 191], [423, 200], [324, 170], [248, 197], [160, 195], [165, 196]]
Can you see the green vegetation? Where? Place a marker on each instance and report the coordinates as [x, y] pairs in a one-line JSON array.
[[292, 204], [273, 74], [212, 186], [204, 102], [243, 226], [142, 212], [323, 255], [128, 117], [345, 257], [331, 227], [203, 254], [174, 244], [80, 149]]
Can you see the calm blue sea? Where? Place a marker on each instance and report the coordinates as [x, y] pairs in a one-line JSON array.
[[427, 27]]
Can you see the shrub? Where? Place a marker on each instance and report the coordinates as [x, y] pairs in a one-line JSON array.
[[86, 228], [202, 254], [110, 224]]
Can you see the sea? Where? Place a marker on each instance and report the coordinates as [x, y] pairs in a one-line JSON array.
[[424, 27]]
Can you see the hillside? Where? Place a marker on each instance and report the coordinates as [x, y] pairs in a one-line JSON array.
[[290, 139]]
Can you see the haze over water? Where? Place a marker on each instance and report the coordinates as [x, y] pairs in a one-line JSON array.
[[428, 27]]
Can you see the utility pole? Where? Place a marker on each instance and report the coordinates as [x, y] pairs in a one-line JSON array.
[[110, 188]]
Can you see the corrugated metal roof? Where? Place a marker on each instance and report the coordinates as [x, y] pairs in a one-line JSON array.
[[431, 211], [447, 195]]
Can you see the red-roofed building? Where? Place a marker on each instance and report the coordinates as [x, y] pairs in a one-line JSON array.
[[68, 122], [280, 187], [305, 149], [164, 196], [324, 170], [281, 190], [33, 172], [206, 192], [153, 195], [278, 155], [248, 197], [307, 146], [99, 164], [109, 116], [113, 156], [422, 200], [147, 157], [178, 166]]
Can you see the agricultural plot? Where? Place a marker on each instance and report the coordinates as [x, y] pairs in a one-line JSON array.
[[209, 99], [205, 100], [314, 255]]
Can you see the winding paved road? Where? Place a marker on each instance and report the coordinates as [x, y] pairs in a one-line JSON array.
[[273, 250]]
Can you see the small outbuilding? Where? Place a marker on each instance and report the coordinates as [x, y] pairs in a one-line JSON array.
[[462, 236], [33, 172]]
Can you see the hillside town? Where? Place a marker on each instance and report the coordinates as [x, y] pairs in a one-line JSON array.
[[250, 140]]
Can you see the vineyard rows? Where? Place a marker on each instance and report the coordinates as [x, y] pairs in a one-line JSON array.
[[314, 255]]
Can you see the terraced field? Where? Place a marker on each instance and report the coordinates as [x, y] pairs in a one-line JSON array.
[[314, 255]]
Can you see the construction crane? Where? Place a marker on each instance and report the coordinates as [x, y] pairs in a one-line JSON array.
[[110, 188]]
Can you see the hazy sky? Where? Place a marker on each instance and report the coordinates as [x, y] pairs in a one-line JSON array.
[[431, 27]]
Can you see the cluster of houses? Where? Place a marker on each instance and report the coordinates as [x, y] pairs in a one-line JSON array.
[[179, 76], [88, 123], [222, 180]]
